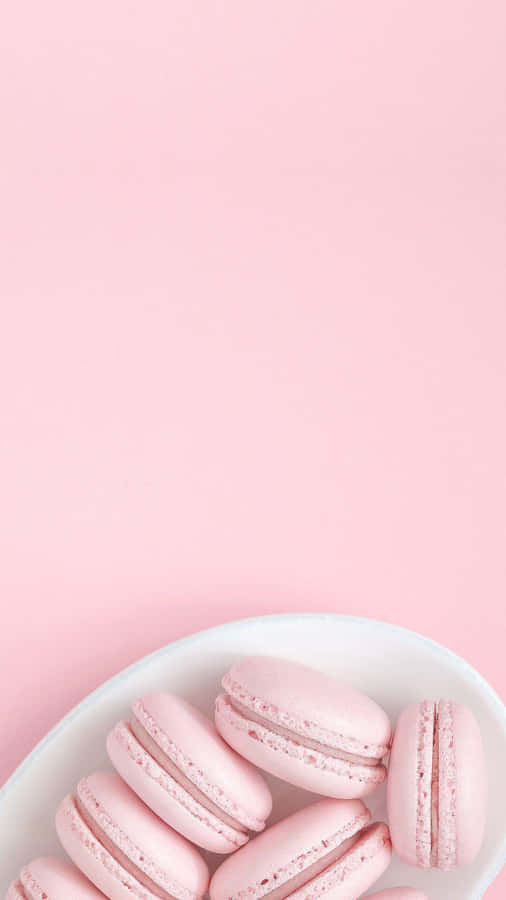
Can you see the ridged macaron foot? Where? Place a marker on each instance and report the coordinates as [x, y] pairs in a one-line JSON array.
[[398, 893], [175, 760], [328, 850], [436, 790], [49, 878], [123, 848], [303, 726]]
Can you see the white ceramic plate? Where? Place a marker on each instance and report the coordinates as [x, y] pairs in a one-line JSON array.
[[391, 664]]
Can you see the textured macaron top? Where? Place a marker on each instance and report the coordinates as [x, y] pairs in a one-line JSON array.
[[288, 848], [194, 746], [315, 706], [49, 878], [162, 855]]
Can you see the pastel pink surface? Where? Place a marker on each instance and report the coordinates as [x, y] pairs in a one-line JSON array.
[[252, 342], [49, 878], [462, 790], [398, 893], [299, 701], [199, 752], [279, 853], [164, 856]]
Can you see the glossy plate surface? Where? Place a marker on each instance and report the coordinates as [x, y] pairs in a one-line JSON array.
[[393, 665]]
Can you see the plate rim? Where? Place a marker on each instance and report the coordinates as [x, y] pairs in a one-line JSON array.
[[468, 670]]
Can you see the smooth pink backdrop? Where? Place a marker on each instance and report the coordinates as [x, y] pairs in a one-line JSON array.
[[253, 328]]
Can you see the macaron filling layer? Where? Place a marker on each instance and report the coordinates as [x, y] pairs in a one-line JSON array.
[[372, 841], [118, 854], [307, 875], [311, 734], [434, 793], [176, 762], [305, 741], [114, 851], [320, 869], [294, 746], [123, 735], [166, 763], [436, 820]]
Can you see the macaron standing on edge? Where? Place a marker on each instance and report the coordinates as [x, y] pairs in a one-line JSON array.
[[174, 759], [328, 850], [303, 726], [436, 791], [123, 848], [49, 878]]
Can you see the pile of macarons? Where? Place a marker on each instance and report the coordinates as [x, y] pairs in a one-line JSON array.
[[181, 782]]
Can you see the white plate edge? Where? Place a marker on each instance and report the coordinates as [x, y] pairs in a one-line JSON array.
[[468, 671]]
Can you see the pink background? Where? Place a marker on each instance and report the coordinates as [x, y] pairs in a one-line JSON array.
[[252, 350]]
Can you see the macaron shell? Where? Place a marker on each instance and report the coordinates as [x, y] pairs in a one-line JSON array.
[[471, 784], [161, 854], [15, 891], [398, 893], [274, 856], [354, 873], [291, 761], [125, 816], [49, 878], [321, 706], [205, 758], [402, 786], [462, 787], [166, 797], [95, 862]]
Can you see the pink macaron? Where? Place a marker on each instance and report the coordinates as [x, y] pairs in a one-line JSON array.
[[304, 726], [398, 893], [437, 785], [328, 850], [48, 878], [123, 848], [174, 759]]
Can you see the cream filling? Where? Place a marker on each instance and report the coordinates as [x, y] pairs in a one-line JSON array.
[[302, 879], [151, 747], [118, 854], [434, 795], [301, 739]]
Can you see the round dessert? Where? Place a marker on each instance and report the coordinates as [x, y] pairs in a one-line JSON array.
[[48, 878], [123, 848], [304, 726], [174, 759], [328, 850], [436, 789]]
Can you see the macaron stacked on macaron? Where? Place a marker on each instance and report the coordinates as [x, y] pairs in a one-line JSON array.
[[174, 759], [437, 785], [328, 850], [304, 726], [48, 878], [123, 848]]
